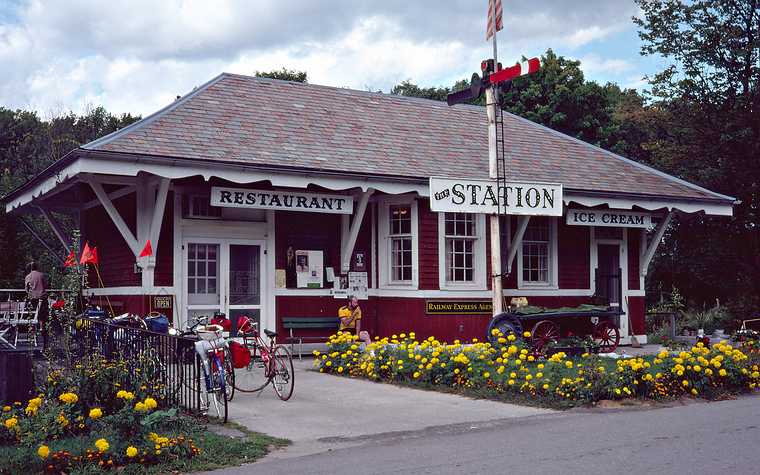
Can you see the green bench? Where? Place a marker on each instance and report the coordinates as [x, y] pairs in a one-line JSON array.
[[298, 323]]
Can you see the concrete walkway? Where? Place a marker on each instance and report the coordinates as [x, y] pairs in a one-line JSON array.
[[328, 412]]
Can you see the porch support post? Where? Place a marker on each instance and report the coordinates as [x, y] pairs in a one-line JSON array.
[[150, 213], [522, 225], [648, 254], [349, 235], [113, 213], [56, 228]]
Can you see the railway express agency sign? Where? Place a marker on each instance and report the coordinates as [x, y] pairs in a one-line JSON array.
[[483, 196]]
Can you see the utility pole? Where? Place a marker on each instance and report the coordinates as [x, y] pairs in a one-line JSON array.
[[492, 102]]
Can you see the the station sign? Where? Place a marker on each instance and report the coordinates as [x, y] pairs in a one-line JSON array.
[[281, 200], [609, 217], [484, 196]]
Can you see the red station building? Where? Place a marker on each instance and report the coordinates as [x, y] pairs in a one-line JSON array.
[[265, 197]]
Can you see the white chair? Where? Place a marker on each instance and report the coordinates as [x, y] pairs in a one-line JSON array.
[[26, 318], [5, 324]]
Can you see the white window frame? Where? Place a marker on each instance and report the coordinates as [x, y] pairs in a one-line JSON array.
[[384, 242], [479, 256], [553, 260]]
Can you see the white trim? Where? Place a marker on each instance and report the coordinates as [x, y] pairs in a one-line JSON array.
[[384, 241], [134, 290], [650, 204], [268, 315], [646, 258], [126, 233], [514, 245], [180, 313], [114, 195], [373, 245], [553, 283], [350, 233], [479, 256], [444, 294], [637, 293]]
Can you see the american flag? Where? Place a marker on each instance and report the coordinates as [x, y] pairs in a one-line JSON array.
[[493, 6]]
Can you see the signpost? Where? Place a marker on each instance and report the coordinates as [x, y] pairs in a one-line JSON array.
[[493, 74]]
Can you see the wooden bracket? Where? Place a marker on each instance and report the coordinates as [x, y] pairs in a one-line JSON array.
[[648, 254], [522, 225], [349, 234]]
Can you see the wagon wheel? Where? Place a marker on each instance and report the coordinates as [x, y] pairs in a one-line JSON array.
[[606, 336], [505, 325], [543, 333]]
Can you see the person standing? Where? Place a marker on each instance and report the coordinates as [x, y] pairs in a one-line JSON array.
[[36, 291]]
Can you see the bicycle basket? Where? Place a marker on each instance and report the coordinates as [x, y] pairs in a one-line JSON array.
[[241, 357]]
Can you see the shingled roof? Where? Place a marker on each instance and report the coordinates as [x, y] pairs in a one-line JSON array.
[[268, 122]]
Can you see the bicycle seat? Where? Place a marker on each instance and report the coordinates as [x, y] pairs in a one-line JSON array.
[[270, 333]]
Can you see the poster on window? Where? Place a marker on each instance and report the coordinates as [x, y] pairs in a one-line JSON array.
[[309, 269]]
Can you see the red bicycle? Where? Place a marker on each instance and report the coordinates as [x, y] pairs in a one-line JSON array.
[[269, 363]]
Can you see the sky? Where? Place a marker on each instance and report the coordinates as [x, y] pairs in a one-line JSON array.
[[136, 56]]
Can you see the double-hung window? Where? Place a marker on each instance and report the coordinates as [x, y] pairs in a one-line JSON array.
[[537, 256], [400, 237], [398, 256], [461, 247]]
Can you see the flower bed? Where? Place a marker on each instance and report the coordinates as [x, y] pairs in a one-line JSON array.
[[86, 421], [508, 370]]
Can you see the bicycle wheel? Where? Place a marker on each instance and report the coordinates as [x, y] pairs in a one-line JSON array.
[[283, 375], [216, 394], [190, 376], [252, 378], [229, 375]]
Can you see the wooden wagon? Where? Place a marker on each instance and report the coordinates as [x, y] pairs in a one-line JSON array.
[[548, 325]]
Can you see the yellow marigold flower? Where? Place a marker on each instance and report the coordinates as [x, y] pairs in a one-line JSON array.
[[95, 413], [11, 423], [685, 383], [568, 364], [6, 408], [526, 334], [694, 391], [102, 445], [140, 407], [697, 368], [131, 451], [486, 374], [511, 382], [722, 372], [150, 403], [416, 374], [43, 451], [68, 398]]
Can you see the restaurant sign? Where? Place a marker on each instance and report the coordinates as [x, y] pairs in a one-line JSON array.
[[607, 217], [483, 196], [281, 200], [458, 307]]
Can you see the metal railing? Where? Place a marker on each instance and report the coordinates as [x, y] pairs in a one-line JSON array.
[[168, 364]]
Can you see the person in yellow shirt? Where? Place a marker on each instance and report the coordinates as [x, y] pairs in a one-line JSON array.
[[351, 319]]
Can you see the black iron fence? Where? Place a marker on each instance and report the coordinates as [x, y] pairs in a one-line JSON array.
[[168, 364]]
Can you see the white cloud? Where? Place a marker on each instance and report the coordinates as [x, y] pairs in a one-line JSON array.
[[137, 56], [594, 64]]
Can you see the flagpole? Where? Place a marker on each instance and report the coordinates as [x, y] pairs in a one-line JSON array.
[[102, 286], [497, 299]]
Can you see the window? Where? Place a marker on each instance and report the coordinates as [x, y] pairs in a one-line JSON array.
[[397, 230], [202, 273], [400, 236], [461, 251], [538, 252], [199, 206]]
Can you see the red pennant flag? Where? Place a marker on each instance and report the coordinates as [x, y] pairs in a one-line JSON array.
[[71, 260], [94, 256], [86, 254], [147, 250]]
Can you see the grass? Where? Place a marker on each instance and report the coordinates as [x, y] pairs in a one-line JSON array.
[[217, 451]]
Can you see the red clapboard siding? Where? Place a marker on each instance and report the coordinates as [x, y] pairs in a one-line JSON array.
[[634, 238], [428, 246], [637, 311], [165, 252], [116, 259], [574, 260]]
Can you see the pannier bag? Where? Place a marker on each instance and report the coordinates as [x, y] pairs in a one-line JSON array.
[[158, 323], [221, 320], [241, 357]]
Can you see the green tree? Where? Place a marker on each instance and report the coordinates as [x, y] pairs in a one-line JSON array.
[[283, 74], [409, 89], [708, 100]]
